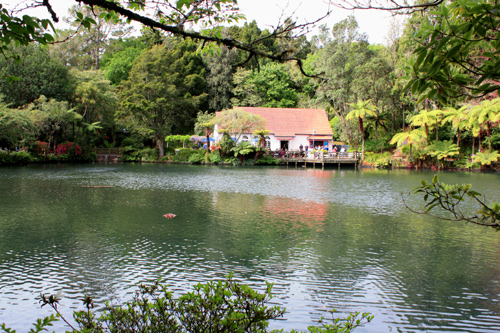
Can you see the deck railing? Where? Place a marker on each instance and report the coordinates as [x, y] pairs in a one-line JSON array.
[[293, 156]]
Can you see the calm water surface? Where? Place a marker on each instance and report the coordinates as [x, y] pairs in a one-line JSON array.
[[326, 239]]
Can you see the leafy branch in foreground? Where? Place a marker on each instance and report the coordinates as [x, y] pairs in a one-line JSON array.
[[216, 306], [449, 197], [337, 325]]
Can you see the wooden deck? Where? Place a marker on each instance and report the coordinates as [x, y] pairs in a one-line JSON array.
[[329, 160], [108, 155]]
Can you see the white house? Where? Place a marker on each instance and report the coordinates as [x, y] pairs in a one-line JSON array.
[[290, 128]]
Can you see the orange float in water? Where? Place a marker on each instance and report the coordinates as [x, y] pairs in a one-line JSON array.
[[169, 215]]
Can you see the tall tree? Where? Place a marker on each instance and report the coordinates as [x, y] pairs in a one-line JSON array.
[[37, 74], [271, 86], [204, 126], [95, 99], [170, 16], [457, 118], [166, 89], [220, 78], [486, 114], [236, 122], [341, 50], [94, 39], [360, 110], [51, 117], [16, 125], [118, 66], [426, 119]]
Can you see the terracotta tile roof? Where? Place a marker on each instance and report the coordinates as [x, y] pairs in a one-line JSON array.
[[291, 122]]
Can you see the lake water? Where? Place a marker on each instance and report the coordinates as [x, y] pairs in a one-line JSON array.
[[326, 239]]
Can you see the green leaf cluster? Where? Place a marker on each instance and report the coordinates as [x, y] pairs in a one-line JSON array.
[[447, 198], [455, 51], [215, 306]]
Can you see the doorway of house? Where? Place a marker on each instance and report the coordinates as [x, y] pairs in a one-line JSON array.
[[284, 145]]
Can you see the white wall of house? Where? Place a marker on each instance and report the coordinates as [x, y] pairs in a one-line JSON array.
[[273, 142]]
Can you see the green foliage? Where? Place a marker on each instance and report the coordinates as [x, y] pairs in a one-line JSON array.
[[377, 145], [262, 137], [37, 74], [486, 158], [442, 149], [203, 120], [215, 306], [236, 122], [165, 90], [409, 138], [198, 156], [267, 160], [341, 50], [243, 149], [22, 157], [270, 86], [22, 31], [426, 119], [149, 154], [184, 155], [41, 325], [178, 140], [121, 63], [220, 79], [232, 160], [51, 117], [339, 325], [226, 145], [214, 157], [128, 142], [360, 110], [455, 51], [5, 158], [130, 154], [15, 126], [249, 33], [379, 160], [95, 97], [448, 198]]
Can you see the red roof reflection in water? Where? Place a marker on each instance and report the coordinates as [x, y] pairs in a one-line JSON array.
[[298, 213]]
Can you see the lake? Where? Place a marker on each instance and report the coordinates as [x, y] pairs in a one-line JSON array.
[[326, 239]]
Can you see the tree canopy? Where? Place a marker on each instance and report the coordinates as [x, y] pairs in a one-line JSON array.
[[171, 16]]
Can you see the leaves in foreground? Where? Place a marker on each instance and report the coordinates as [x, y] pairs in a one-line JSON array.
[[216, 306], [449, 198]]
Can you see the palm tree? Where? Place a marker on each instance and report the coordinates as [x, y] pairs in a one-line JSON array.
[[408, 137], [262, 136], [486, 158], [425, 118], [262, 141], [437, 115], [379, 120], [360, 110], [474, 126], [457, 118], [487, 113], [442, 150]]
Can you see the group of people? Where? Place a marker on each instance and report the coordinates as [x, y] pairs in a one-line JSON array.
[[303, 151]]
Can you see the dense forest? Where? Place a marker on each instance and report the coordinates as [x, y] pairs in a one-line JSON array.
[[425, 97]]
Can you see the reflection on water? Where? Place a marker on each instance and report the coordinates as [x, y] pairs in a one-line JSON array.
[[333, 238]]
